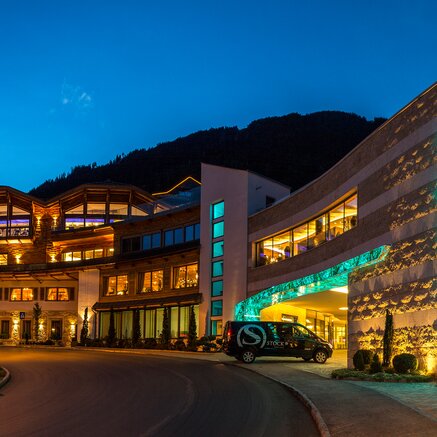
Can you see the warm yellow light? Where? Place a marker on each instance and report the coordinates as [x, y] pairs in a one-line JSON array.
[[53, 258], [340, 289], [343, 308], [177, 185], [17, 258]]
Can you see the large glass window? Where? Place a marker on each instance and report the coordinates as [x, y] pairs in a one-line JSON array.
[[336, 221], [150, 324], [3, 259], [14, 222], [300, 239], [151, 281], [185, 276], [57, 293], [218, 210], [117, 285], [350, 213], [21, 294], [317, 231], [310, 234], [218, 229]]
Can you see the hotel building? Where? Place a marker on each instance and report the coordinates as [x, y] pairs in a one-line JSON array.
[[335, 255]]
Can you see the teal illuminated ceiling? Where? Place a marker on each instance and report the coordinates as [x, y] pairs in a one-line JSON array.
[[336, 276]]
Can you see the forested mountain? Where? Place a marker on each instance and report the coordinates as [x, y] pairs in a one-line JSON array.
[[293, 149]]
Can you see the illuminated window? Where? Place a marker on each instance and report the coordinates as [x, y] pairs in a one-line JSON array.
[[218, 210], [14, 222], [217, 288], [121, 209], [218, 229], [216, 327], [185, 276], [216, 308], [117, 285], [3, 259], [57, 293], [217, 268], [217, 249], [21, 294], [152, 281], [310, 234], [350, 213]]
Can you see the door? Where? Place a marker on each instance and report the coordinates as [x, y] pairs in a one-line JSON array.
[[26, 329], [4, 330], [56, 330]]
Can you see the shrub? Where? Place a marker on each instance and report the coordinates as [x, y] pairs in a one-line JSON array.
[[179, 345], [358, 360], [375, 365], [150, 343], [49, 343], [404, 363]]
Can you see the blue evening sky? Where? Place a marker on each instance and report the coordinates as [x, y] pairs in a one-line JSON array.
[[83, 81]]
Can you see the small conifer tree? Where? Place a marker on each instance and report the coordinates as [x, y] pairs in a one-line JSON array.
[[375, 365], [37, 312], [84, 330], [165, 334], [136, 328], [359, 361], [387, 339], [192, 330], [111, 329]]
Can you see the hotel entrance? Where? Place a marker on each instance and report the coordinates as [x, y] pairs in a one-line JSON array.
[[324, 313]]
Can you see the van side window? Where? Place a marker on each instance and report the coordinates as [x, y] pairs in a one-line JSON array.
[[301, 332]]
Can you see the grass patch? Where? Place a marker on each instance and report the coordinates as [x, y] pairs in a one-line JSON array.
[[380, 376]]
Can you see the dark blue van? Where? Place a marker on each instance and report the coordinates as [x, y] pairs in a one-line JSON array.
[[248, 340]]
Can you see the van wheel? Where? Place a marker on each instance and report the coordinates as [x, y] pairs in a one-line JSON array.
[[247, 356], [320, 356]]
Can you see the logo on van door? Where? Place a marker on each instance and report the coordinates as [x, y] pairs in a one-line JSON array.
[[251, 335]]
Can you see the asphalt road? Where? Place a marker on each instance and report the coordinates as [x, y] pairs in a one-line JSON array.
[[83, 393]]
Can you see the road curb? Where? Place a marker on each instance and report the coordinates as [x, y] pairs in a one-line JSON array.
[[308, 403], [5, 378]]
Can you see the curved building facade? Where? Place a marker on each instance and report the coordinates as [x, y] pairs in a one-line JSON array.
[[357, 242]]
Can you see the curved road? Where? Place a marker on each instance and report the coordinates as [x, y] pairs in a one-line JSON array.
[[83, 393]]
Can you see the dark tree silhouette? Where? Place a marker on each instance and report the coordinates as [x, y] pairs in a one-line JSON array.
[[111, 329], [84, 330], [293, 149]]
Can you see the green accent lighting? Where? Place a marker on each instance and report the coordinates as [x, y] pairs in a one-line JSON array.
[[336, 276]]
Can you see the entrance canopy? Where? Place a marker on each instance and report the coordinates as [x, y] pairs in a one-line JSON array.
[[336, 276]]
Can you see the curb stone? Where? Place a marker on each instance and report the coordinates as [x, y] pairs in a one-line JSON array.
[[308, 403], [6, 378]]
